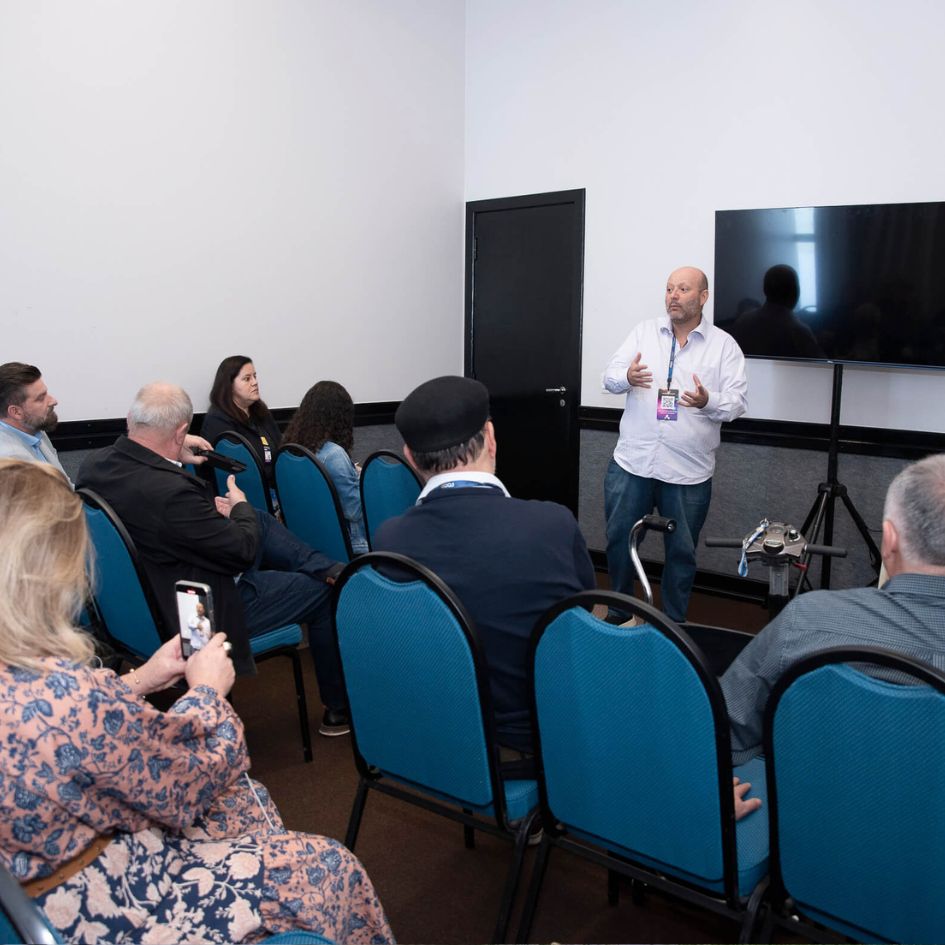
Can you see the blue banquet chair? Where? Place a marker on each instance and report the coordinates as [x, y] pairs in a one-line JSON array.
[[252, 480], [21, 920], [856, 776], [310, 505], [421, 709], [388, 488], [634, 760]]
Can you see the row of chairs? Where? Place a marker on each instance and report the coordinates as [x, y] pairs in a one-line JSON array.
[[308, 498], [123, 596], [128, 610], [633, 761]]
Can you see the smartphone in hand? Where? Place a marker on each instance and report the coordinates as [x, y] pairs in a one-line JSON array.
[[195, 616]]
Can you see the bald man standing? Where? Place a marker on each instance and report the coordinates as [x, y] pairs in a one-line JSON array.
[[683, 378]]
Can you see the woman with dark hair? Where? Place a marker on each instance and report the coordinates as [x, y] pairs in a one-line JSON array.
[[324, 423], [235, 404], [123, 822]]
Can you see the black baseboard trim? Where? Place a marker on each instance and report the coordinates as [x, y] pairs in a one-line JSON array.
[[730, 586], [94, 434], [862, 441]]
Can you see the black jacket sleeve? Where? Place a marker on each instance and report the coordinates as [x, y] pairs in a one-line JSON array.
[[195, 532]]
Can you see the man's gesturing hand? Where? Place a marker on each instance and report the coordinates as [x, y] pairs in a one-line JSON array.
[[695, 398], [638, 375]]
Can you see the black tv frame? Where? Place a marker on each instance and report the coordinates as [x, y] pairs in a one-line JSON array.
[[853, 226]]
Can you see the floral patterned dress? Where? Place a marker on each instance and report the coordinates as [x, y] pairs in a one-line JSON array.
[[199, 852]]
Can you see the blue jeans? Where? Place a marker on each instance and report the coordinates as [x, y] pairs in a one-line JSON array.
[[627, 498], [283, 587]]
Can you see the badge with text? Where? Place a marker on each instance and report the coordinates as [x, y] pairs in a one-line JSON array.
[[667, 404], [267, 451]]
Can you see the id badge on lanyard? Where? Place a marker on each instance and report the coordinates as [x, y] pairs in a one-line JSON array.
[[667, 398], [267, 451]]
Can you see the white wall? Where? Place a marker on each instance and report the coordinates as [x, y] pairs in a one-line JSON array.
[[185, 179], [668, 110]]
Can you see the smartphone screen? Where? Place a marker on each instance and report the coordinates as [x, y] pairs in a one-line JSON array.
[[195, 615]]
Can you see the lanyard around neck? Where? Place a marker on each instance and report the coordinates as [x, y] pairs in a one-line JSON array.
[[672, 361]]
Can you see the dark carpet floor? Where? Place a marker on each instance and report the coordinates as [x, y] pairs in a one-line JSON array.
[[433, 888]]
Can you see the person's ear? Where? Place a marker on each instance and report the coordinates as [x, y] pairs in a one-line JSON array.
[[180, 433], [409, 457], [491, 444], [890, 544]]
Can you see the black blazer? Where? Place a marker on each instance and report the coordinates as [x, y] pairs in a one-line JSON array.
[[179, 534], [508, 560], [216, 422]]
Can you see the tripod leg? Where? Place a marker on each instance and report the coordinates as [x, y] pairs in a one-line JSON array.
[[811, 531], [815, 517], [876, 559]]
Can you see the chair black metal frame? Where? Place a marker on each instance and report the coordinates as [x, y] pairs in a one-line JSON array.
[[295, 449], [22, 913], [234, 436], [781, 908], [375, 457], [291, 652], [370, 778], [729, 903]]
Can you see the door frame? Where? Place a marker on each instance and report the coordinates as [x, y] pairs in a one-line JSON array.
[[576, 197]]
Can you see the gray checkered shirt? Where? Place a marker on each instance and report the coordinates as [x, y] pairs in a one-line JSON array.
[[906, 615]]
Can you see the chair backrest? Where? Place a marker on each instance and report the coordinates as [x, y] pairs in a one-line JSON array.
[[21, 920], [633, 743], [388, 488], [856, 777], [309, 500], [252, 480], [417, 691], [121, 590]]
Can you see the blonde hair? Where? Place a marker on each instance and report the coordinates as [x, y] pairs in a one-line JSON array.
[[43, 556]]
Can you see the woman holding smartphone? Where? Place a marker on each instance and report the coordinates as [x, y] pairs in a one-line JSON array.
[[124, 822]]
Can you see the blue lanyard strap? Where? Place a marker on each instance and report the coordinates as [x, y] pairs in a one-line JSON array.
[[464, 484], [672, 361], [747, 542]]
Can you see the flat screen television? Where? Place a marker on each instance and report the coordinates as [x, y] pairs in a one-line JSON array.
[[857, 284]]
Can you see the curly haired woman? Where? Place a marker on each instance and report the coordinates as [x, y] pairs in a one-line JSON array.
[[324, 424]]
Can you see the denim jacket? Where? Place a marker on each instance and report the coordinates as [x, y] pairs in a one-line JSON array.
[[345, 477]]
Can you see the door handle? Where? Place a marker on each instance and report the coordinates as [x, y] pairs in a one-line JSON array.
[[556, 390]]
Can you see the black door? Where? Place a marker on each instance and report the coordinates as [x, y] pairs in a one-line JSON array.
[[524, 282]]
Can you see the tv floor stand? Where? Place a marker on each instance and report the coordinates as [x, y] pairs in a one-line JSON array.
[[820, 518]]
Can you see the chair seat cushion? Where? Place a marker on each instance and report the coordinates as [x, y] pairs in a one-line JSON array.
[[521, 797], [751, 838], [290, 635]]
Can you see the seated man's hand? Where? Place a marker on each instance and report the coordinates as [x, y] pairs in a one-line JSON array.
[[192, 442], [234, 495], [742, 806], [331, 575]]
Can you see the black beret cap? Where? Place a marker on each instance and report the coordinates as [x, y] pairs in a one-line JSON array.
[[442, 413]]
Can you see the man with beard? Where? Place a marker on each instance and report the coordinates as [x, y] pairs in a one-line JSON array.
[[682, 378], [27, 415]]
